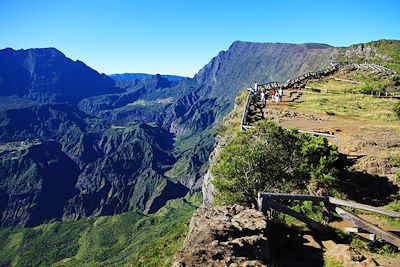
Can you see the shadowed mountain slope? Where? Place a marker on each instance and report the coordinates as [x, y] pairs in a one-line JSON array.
[[58, 162], [46, 75]]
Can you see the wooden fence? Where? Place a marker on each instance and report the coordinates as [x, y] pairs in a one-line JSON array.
[[266, 200], [316, 134]]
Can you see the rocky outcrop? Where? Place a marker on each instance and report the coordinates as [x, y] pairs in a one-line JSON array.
[[225, 236], [361, 50]]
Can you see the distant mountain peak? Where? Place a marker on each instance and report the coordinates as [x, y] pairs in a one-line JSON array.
[[140, 76], [239, 43], [47, 75], [245, 62]]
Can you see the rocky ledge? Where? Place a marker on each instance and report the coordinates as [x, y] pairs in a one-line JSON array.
[[225, 236]]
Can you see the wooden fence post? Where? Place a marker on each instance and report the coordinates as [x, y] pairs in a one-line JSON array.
[[389, 237]]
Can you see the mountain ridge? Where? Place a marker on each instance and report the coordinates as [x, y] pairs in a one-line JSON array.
[[160, 130], [48, 75], [135, 76]]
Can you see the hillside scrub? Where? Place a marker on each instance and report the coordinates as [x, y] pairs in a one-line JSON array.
[[130, 238], [270, 158]]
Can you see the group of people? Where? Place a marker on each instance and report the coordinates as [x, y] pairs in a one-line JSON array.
[[276, 94]]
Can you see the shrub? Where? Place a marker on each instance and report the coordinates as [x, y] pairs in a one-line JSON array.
[[270, 158], [365, 89], [377, 86], [397, 109], [396, 80]]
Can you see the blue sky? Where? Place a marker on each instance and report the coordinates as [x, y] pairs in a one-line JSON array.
[[181, 36]]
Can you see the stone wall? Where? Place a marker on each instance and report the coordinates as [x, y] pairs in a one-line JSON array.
[[334, 67]]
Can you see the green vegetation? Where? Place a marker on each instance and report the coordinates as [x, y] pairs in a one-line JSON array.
[[376, 87], [387, 54], [331, 262], [335, 85], [189, 147], [368, 82], [356, 106], [395, 206], [390, 49], [385, 249], [130, 238], [314, 210], [233, 120], [158, 101], [140, 102], [270, 158]]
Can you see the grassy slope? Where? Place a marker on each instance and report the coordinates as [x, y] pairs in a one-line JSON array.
[[232, 121], [361, 106], [335, 98], [130, 238]]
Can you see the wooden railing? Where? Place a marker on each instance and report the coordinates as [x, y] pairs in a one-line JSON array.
[[316, 134], [266, 200]]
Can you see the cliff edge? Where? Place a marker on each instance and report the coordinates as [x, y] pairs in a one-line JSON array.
[[225, 236]]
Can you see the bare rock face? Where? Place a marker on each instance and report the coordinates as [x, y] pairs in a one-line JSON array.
[[225, 236], [361, 51]]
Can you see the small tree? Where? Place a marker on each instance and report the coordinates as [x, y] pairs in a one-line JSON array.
[[270, 158]]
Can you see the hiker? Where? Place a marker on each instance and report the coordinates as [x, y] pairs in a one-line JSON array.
[[273, 92], [277, 98], [263, 100], [255, 86], [280, 94]]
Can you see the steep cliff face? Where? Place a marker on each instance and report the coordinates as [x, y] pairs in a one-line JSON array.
[[225, 236], [33, 190], [245, 62]]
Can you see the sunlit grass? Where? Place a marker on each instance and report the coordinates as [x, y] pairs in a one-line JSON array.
[[332, 84], [395, 206], [140, 102], [158, 101], [357, 106]]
